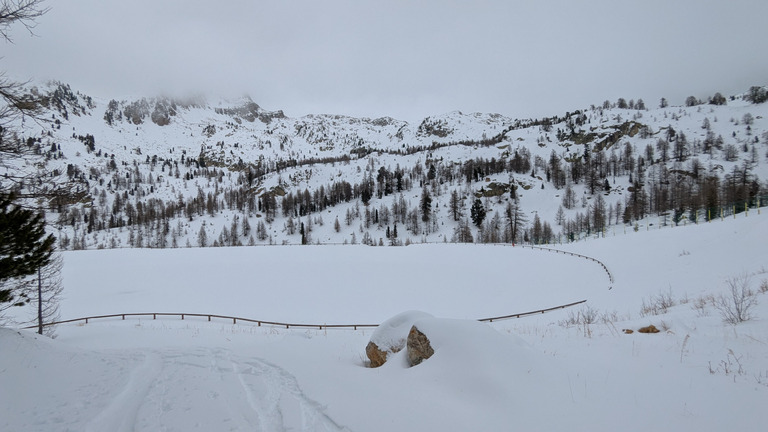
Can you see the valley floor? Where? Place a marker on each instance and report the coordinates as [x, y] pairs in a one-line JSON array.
[[548, 372]]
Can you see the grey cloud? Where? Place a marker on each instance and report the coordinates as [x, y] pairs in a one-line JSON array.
[[401, 58]]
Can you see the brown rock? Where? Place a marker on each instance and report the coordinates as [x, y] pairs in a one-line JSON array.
[[376, 355], [650, 329], [390, 336], [418, 347]]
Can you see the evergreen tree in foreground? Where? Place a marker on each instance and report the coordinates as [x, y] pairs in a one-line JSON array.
[[24, 247]]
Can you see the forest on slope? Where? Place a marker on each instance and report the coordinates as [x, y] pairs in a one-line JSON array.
[[155, 172]]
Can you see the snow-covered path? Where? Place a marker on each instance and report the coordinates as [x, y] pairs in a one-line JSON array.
[[121, 412], [169, 387]]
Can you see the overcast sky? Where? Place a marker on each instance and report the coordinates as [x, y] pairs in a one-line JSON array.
[[404, 59]]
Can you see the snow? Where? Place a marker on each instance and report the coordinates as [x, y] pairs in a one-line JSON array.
[[535, 373], [255, 282], [544, 372], [325, 137], [393, 332]]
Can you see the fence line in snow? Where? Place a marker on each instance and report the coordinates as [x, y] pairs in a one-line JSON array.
[[602, 264], [343, 326], [259, 323]]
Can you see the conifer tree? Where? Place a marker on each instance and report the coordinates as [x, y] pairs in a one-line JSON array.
[[426, 205], [477, 213], [536, 230], [462, 233], [516, 221], [24, 246], [455, 205], [261, 231], [202, 237]]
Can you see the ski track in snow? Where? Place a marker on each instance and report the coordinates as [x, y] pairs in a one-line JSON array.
[[120, 413], [210, 389], [281, 400]]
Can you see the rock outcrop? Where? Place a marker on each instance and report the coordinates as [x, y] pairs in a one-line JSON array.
[[418, 347], [390, 336], [376, 355]]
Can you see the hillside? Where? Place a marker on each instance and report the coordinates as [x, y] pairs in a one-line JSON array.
[[671, 192], [156, 172]]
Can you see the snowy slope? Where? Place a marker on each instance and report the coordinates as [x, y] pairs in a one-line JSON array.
[[209, 165], [547, 372]]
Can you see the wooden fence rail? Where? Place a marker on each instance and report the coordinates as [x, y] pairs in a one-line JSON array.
[[524, 314], [600, 263], [235, 320], [558, 251]]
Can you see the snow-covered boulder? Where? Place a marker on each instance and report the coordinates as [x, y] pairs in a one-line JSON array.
[[419, 348], [457, 340], [391, 335]]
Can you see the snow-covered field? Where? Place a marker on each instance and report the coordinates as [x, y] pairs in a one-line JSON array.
[[536, 373]]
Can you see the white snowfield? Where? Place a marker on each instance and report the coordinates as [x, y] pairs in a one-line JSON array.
[[534, 373]]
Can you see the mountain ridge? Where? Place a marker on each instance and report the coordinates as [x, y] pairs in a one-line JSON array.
[[200, 167]]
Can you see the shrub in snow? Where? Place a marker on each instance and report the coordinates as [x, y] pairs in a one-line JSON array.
[[658, 304], [736, 306], [390, 336], [584, 316], [700, 305], [757, 95]]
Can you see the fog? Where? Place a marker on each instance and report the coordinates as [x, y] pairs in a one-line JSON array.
[[402, 59]]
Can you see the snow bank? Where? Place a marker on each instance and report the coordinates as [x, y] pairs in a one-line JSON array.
[[470, 343], [48, 385], [394, 331], [527, 374]]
